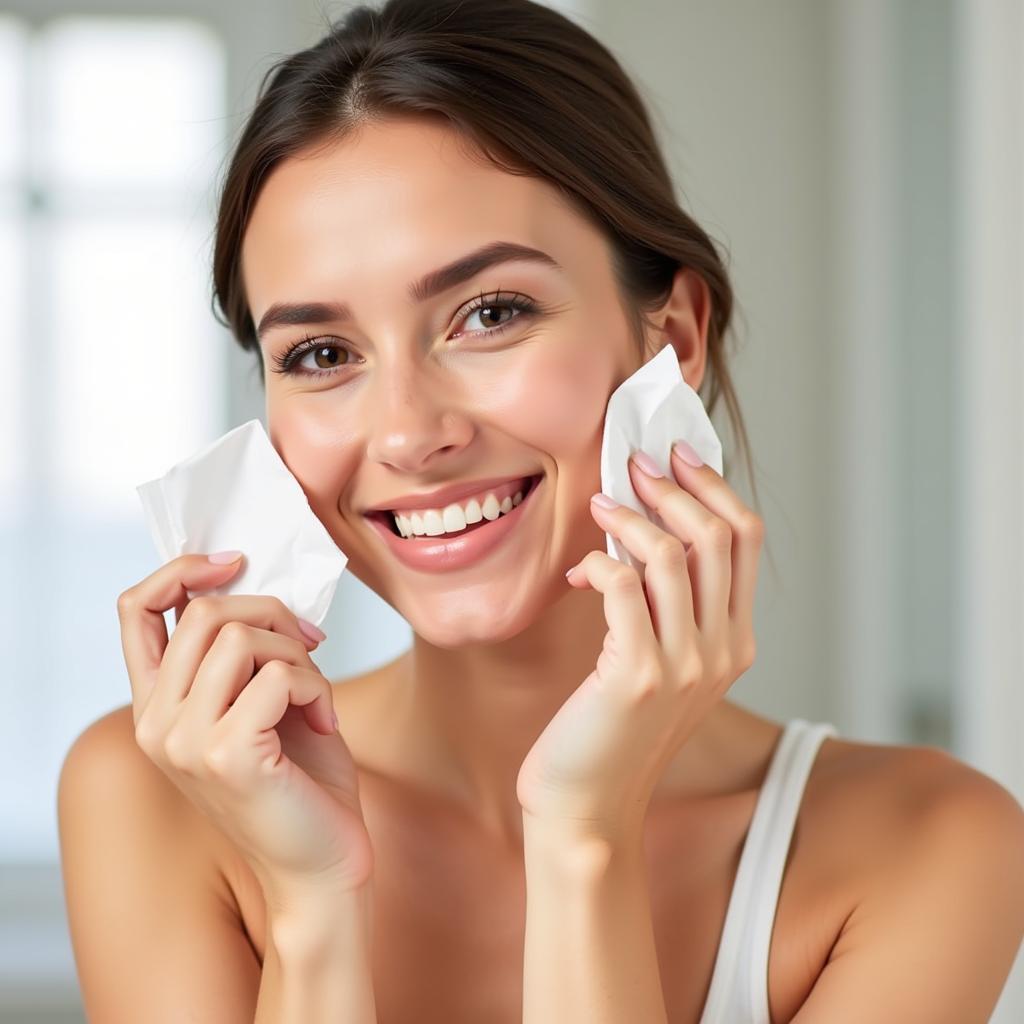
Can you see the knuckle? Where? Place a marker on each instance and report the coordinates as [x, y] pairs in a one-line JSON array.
[[126, 602], [234, 633], [202, 609], [276, 671], [217, 759], [752, 526], [670, 552], [146, 737], [646, 682], [719, 534], [625, 579], [177, 751]]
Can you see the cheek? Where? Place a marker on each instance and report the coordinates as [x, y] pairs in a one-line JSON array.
[[316, 451], [555, 401]]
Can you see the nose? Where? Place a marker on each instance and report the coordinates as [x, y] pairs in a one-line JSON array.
[[412, 418]]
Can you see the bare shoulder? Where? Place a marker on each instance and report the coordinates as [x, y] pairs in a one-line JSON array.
[[898, 789], [105, 757], [928, 851], [137, 860]]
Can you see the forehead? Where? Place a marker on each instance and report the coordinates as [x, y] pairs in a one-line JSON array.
[[400, 197]]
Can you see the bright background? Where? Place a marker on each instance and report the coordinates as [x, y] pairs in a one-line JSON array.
[[862, 161]]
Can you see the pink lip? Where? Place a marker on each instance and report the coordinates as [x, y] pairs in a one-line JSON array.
[[440, 554]]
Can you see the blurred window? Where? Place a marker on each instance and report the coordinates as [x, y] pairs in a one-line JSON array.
[[112, 366]]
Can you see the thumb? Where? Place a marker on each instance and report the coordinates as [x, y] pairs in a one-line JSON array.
[[206, 572]]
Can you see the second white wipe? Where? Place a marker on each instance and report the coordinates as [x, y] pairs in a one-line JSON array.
[[648, 412]]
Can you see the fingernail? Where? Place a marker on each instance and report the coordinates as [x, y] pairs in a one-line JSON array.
[[225, 557], [570, 571], [311, 631], [647, 464], [334, 719], [687, 454], [604, 501]]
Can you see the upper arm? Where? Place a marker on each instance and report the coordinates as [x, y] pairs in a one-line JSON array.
[[935, 938], [154, 934]]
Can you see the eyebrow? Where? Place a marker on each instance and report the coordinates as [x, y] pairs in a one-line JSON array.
[[288, 314]]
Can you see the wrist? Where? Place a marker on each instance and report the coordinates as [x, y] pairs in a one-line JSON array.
[[574, 852], [304, 920]]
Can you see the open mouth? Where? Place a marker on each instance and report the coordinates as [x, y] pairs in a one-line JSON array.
[[387, 519]]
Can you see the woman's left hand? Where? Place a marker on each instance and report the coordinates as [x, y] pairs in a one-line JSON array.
[[677, 640]]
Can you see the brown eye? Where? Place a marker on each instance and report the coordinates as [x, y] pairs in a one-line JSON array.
[[331, 354], [327, 359], [490, 316], [487, 311]]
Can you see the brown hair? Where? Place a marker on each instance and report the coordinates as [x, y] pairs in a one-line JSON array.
[[537, 94]]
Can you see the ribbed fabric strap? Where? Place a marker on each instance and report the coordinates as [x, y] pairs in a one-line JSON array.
[[739, 985]]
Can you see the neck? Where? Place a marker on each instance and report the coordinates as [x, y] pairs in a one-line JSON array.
[[463, 719]]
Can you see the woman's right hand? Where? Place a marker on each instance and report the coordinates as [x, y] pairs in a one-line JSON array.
[[234, 711]]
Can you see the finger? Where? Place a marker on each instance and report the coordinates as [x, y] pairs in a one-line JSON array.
[[666, 575], [625, 606], [202, 620], [747, 527], [263, 703], [710, 538], [140, 610], [237, 653]]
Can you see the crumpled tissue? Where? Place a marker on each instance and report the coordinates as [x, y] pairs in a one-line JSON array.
[[648, 412], [238, 494]]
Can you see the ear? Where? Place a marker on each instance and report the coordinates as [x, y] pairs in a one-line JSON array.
[[683, 321]]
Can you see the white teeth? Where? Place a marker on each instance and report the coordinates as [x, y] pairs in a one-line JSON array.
[[453, 518], [490, 508], [433, 522]]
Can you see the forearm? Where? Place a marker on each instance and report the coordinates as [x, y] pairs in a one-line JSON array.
[[317, 965], [589, 954]]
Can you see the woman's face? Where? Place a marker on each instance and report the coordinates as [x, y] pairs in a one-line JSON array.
[[400, 395]]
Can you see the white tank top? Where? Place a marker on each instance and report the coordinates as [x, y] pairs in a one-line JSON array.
[[739, 984]]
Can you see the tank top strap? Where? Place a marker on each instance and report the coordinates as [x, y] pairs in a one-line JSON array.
[[739, 984]]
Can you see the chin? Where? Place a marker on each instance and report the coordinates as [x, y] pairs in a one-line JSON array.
[[467, 622], [463, 633]]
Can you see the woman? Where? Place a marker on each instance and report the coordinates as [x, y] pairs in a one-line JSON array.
[[448, 233]]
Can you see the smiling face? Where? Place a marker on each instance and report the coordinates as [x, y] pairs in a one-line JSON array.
[[401, 395]]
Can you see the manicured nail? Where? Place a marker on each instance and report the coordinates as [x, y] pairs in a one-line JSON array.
[[571, 570], [311, 631], [604, 501], [687, 454], [225, 557], [647, 464]]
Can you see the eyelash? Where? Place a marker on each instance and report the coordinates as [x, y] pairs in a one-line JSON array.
[[286, 362]]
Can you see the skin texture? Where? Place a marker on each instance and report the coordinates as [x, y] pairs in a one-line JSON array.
[[427, 396]]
